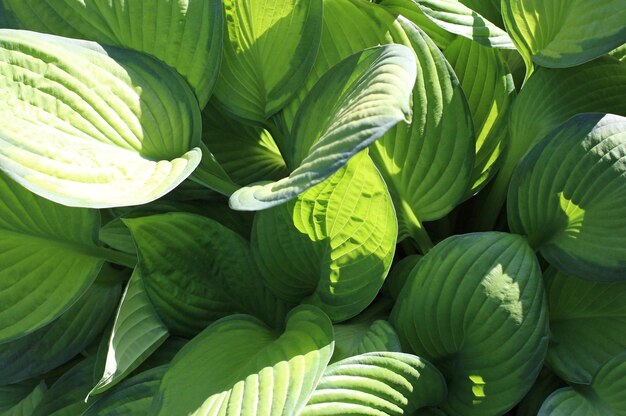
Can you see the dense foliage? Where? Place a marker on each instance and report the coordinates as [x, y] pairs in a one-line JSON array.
[[313, 207]]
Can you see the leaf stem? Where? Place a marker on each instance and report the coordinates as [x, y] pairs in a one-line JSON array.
[[416, 229], [117, 257]]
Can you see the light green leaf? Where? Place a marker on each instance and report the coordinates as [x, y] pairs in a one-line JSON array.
[[475, 307], [568, 195], [137, 333], [438, 145], [59, 341], [564, 33], [354, 338], [24, 406], [547, 382], [66, 397], [132, 397], [93, 126], [331, 247], [605, 396], [185, 34], [489, 88], [269, 48], [619, 53], [48, 258], [248, 153], [587, 324], [240, 367], [377, 384], [457, 18], [350, 107], [549, 98], [196, 270]]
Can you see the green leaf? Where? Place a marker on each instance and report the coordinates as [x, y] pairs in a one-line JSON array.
[[488, 85], [269, 48], [564, 33], [354, 338], [457, 18], [547, 382], [185, 34], [196, 270], [23, 406], [248, 153], [619, 53], [605, 396], [137, 333], [438, 145], [93, 126], [66, 397], [132, 397], [48, 259], [398, 275], [331, 247], [568, 196], [587, 324], [59, 341], [549, 98], [240, 367], [379, 383], [354, 104], [474, 306]]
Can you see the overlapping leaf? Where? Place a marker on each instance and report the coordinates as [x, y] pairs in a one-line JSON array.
[[354, 104], [56, 343], [375, 384], [333, 245], [587, 324], [185, 34], [547, 382], [355, 338], [564, 33], [92, 126], [22, 400], [48, 258], [196, 270], [568, 195], [475, 307], [279, 36], [137, 333], [240, 367]]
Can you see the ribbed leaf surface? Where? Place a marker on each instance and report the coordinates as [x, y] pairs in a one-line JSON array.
[[22, 405], [354, 104], [605, 396], [332, 246], [196, 270], [355, 338], [185, 34], [587, 324], [137, 333], [92, 126], [564, 33], [240, 367], [568, 195], [269, 48], [475, 307], [56, 343], [377, 384], [48, 258]]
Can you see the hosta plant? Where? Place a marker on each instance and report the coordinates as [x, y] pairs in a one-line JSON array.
[[313, 207]]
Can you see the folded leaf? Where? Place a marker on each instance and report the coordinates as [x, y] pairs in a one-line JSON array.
[[331, 247], [568, 195], [56, 343], [137, 333], [93, 126], [269, 48], [457, 18], [354, 104], [605, 396], [185, 34], [48, 258], [564, 33], [196, 270], [378, 383], [475, 307], [355, 338], [587, 324], [240, 367]]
